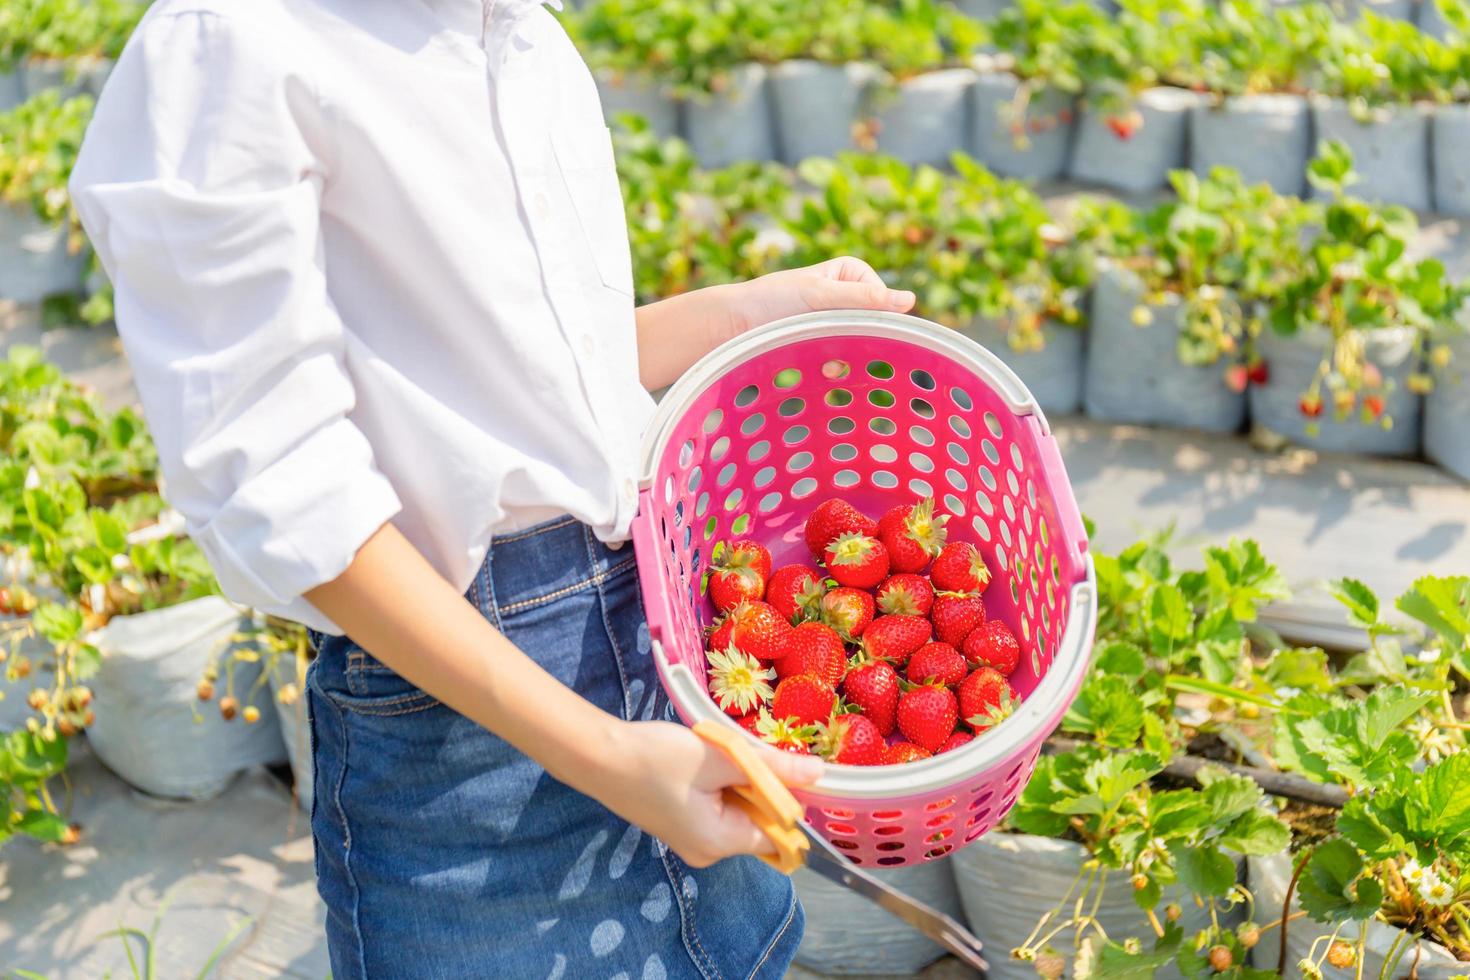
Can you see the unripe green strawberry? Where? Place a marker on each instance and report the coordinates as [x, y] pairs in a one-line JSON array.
[[905, 595], [960, 568], [936, 661], [856, 560], [834, 517], [805, 700], [927, 715], [992, 644]]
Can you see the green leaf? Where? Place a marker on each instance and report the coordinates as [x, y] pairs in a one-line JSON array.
[[1443, 605], [1256, 833], [1333, 887], [42, 825], [1361, 602], [57, 623], [1114, 962], [1108, 708], [33, 756], [1295, 667], [86, 661], [1205, 870], [1170, 619], [1121, 658]]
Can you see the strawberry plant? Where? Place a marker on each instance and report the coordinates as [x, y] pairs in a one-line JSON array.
[[67, 30], [39, 141]]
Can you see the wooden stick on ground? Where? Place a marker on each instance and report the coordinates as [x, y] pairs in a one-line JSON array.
[[1284, 784]]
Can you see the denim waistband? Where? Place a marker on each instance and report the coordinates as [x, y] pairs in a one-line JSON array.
[[541, 564]]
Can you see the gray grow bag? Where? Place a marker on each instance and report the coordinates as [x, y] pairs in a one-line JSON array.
[[1142, 162], [1007, 882], [1351, 10], [38, 75], [816, 106], [1267, 138], [295, 727], [1451, 161], [1447, 412], [733, 124], [1053, 373], [639, 97], [1294, 362], [34, 260], [1390, 151], [847, 934], [1432, 21], [926, 119], [12, 91], [1032, 145], [1134, 373]]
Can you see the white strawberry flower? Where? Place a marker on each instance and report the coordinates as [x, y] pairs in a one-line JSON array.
[[1413, 872], [1435, 891], [738, 680]]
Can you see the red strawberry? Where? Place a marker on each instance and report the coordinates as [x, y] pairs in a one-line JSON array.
[[937, 661], [853, 741], [748, 554], [895, 638], [1310, 406], [900, 752], [954, 742], [1373, 407], [992, 644], [1259, 371], [926, 715], [1125, 125], [795, 591], [906, 595], [719, 638], [738, 682], [749, 721], [834, 517], [912, 535], [985, 699], [960, 568], [729, 587], [805, 699], [955, 616], [760, 631], [814, 649], [848, 611], [856, 560], [785, 733], [873, 689], [1237, 378]]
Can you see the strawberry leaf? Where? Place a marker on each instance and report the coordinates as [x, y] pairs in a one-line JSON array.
[[1333, 888]]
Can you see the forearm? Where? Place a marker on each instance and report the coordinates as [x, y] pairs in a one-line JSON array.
[[442, 644], [675, 332]]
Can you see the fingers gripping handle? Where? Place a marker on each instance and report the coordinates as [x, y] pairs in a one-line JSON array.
[[765, 799]]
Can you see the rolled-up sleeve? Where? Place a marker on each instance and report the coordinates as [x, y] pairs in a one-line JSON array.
[[200, 184]]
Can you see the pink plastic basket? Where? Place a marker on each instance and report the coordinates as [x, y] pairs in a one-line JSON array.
[[876, 408]]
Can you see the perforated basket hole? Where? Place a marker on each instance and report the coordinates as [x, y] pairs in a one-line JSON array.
[[921, 488], [954, 505], [838, 398], [981, 528], [726, 475], [842, 829], [960, 426], [888, 830], [882, 453], [770, 502], [1017, 462], [991, 453], [840, 425], [891, 845], [940, 835], [881, 398], [733, 500], [686, 453], [713, 420], [758, 451], [668, 489], [884, 480], [921, 462], [890, 860], [921, 435], [1005, 535], [788, 378], [804, 487], [796, 435], [799, 461], [922, 379], [886, 816], [836, 814], [1011, 484], [836, 369], [983, 502], [921, 408], [939, 821], [938, 852], [1010, 509], [882, 370], [710, 526], [764, 476], [846, 478], [844, 452], [741, 524], [938, 805], [720, 447], [961, 397], [753, 424], [846, 845], [988, 478], [993, 424], [791, 407], [695, 476], [957, 453], [955, 480], [882, 426]]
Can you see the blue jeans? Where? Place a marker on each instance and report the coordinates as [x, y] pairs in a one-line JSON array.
[[441, 851]]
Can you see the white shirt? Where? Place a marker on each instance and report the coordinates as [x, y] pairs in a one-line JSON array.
[[371, 263]]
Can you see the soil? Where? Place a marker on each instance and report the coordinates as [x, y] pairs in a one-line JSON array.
[[1310, 823]]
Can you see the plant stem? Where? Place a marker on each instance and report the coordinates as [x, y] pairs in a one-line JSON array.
[[1286, 908]]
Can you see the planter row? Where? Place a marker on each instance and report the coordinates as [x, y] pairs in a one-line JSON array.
[[37, 76], [1121, 372], [1409, 155]]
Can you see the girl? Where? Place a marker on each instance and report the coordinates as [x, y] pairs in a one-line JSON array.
[[373, 278]]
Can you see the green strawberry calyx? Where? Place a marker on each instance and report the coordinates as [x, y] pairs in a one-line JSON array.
[[925, 529]]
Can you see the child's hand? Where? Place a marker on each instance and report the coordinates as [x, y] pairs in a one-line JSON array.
[[843, 283], [668, 781]]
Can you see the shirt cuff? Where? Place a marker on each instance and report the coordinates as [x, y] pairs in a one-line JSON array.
[[298, 523]]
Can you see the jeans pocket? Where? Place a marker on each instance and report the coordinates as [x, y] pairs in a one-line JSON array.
[[370, 687]]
